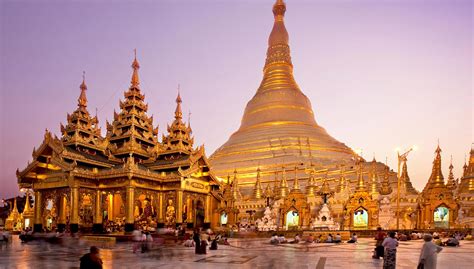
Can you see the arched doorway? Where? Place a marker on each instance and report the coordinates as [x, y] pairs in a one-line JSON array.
[[224, 218], [199, 211], [361, 218], [441, 217], [292, 219]]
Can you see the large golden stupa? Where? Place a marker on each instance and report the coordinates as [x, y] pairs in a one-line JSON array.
[[278, 127]]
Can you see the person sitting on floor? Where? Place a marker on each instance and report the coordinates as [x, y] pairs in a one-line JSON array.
[[329, 239], [337, 238], [310, 239], [319, 239], [353, 238], [274, 240], [296, 240], [214, 244], [452, 242], [91, 260], [189, 243], [282, 239]]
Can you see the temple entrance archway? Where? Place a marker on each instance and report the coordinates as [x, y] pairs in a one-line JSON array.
[[224, 218], [292, 219], [441, 217], [361, 218]]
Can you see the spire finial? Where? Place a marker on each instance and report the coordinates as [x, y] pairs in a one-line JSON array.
[[135, 65], [279, 9], [178, 114], [189, 119], [82, 101]]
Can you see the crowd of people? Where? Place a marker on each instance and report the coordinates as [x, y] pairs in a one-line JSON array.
[[386, 246]]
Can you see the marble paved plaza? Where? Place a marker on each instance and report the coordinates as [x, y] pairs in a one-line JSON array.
[[242, 253]]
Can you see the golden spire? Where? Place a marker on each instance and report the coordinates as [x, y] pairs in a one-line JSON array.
[[283, 184], [235, 187], [278, 68], [437, 178], [325, 190], [311, 186], [386, 189], [257, 192], [374, 182], [135, 65], [27, 203], [296, 184], [341, 186], [451, 184], [82, 101], [360, 181], [178, 114]]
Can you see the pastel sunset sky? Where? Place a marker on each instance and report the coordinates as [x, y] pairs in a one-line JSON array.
[[380, 74]]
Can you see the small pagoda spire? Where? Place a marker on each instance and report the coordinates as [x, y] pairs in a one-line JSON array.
[[451, 184], [235, 187], [437, 178], [283, 184], [374, 181], [178, 114], [82, 101], [296, 184], [135, 65], [386, 189], [341, 186], [464, 168], [258, 191], [268, 191], [311, 186], [360, 181], [325, 192], [27, 203]]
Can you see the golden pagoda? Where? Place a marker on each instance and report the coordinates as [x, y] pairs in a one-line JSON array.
[[438, 208], [278, 126], [465, 194], [14, 220], [127, 178]]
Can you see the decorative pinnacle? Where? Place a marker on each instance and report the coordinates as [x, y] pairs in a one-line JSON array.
[[82, 101], [178, 114], [279, 9], [135, 65]]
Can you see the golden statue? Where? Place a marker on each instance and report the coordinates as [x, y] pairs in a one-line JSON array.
[[170, 214]]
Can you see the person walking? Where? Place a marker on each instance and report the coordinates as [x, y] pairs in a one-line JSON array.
[[91, 260], [390, 245], [197, 241], [379, 249], [429, 253]]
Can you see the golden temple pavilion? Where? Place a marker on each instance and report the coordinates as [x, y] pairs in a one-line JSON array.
[[84, 180]]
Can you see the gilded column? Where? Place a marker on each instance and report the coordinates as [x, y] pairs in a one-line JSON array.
[[38, 225], [98, 212], [160, 207], [62, 213], [207, 213], [74, 223], [179, 211], [129, 220]]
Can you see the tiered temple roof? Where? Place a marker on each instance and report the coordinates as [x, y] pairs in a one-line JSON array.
[[179, 135], [131, 132], [82, 132]]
